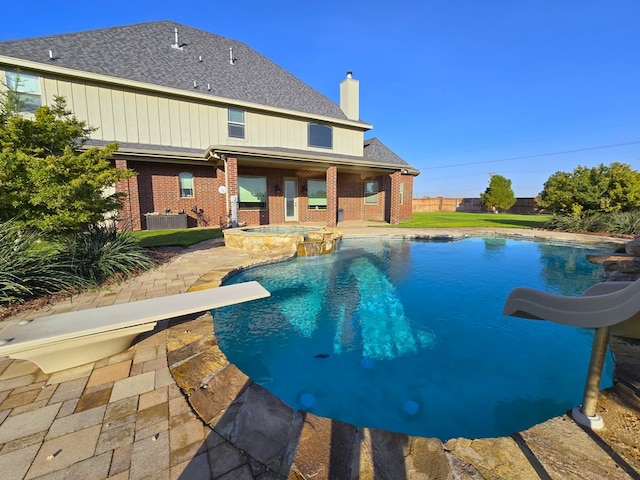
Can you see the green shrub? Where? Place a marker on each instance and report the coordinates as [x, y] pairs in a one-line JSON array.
[[578, 222], [623, 222], [101, 253], [29, 267]]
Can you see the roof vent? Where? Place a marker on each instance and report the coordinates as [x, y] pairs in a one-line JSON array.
[[176, 44], [195, 84], [232, 60], [208, 87], [51, 57], [200, 58]]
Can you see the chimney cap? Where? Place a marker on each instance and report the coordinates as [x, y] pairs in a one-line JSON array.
[[349, 74]]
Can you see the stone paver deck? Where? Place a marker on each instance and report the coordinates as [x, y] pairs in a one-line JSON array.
[[171, 406]]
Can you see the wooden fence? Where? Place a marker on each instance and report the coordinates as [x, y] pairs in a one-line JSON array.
[[470, 205]]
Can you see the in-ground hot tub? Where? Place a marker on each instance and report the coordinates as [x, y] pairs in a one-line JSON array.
[[303, 240]]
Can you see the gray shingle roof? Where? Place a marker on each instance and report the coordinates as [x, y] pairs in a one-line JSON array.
[[375, 150], [143, 52]]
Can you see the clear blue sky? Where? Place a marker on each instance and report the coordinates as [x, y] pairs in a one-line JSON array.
[[459, 89]]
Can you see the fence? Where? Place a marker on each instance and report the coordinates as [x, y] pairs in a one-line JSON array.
[[470, 205]]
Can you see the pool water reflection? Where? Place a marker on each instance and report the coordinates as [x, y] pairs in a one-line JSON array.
[[408, 335]]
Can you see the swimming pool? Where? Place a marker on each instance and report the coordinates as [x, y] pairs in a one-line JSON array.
[[408, 336]]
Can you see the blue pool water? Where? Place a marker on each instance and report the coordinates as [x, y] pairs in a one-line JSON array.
[[408, 336]]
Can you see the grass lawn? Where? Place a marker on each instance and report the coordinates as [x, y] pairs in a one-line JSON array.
[[181, 238], [459, 219], [191, 236]]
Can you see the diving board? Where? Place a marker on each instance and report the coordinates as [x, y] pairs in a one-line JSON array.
[[66, 340]]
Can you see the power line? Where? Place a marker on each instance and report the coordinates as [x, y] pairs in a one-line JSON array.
[[577, 150]]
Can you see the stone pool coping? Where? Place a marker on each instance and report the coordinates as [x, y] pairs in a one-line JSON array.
[[138, 414]]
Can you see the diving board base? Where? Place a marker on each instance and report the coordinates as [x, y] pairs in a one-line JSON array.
[[80, 350], [594, 423]]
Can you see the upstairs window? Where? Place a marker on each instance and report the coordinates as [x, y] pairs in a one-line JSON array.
[[320, 135], [317, 194], [27, 89], [235, 119], [371, 192], [186, 185], [252, 193]]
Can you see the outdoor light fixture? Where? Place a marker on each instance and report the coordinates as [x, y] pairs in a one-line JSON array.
[[277, 190]]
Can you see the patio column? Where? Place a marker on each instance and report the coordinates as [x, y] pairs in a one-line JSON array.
[[231, 177], [129, 216], [332, 196], [394, 198]]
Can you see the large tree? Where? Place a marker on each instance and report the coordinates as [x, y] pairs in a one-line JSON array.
[[498, 195], [597, 189], [48, 180]]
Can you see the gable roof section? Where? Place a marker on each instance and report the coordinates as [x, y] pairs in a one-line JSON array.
[[375, 150], [144, 53]]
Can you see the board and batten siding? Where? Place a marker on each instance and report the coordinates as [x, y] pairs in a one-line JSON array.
[[132, 116]]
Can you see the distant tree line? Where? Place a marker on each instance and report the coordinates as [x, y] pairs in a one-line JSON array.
[[589, 199]]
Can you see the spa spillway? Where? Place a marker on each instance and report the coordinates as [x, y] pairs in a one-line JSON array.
[[304, 241]]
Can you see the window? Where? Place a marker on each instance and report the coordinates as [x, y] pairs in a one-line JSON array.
[[371, 192], [235, 118], [401, 193], [27, 88], [320, 135], [317, 194], [186, 185], [252, 193]]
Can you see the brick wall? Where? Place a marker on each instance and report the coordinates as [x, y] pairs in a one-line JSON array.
[[158, 189], [350, 191], [394, 201], [406, 208], [275, 212], [332, 196], [129, 216]]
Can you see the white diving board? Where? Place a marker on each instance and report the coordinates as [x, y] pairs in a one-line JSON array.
[[66, 340]]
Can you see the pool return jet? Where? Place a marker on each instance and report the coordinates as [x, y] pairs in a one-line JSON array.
[[609, 307]]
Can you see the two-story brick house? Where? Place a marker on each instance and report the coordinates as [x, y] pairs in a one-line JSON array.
[[213, 128]]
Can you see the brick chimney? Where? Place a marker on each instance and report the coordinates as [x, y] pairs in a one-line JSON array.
[[350, 97]]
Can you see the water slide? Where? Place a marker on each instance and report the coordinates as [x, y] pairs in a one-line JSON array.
[[609, 307], [607, 304]]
